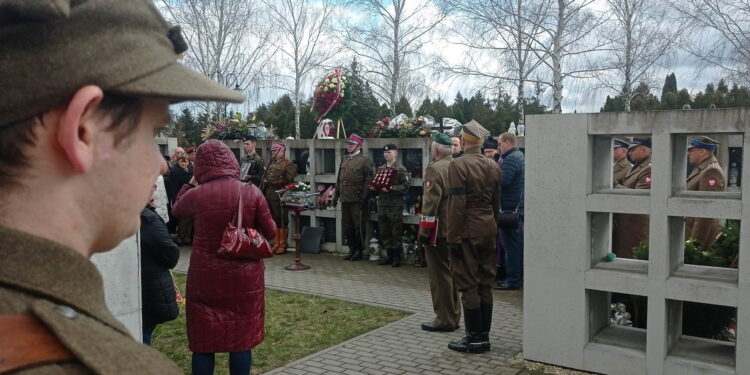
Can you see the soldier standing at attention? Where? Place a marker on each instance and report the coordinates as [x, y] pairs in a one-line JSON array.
[[114, 75], [435, 212], [632, 229], [390, 203], [473, 203], [281, 171], [252, 163], [706, 176], [355, 173], [621, 165]]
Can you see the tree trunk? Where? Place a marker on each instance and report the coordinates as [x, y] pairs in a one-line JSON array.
[[557, 86], [521, 103], [627, 88], [396, 62]]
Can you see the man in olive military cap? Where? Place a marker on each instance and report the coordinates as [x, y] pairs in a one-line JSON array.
[[473, 203], [621, 165], [432, 234], [355, 173], [631, 229], [86, 85], [253, 166], [281, 171], [390, 201], [706, 176]]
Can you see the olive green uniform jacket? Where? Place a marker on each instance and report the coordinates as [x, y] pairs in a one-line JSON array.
[[474, 200], [707, 176], [63, 290], [630, 230], [355, 173], [280, 173], [256, 168], [620, 169], [434, 200]]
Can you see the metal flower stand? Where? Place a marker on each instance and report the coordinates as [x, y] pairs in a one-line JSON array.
[[297, 265]]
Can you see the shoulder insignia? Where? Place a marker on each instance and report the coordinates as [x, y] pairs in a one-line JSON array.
[[711, 182], [427, 184], [647, 179]]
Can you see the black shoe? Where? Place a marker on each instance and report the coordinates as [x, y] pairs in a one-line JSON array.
[[472, 342], [386, 260], [349, 256], [356, 256], [432, 327], [505, 286], [396, 258]]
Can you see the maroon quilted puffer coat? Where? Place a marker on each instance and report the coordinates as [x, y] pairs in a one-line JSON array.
[[225, 298]]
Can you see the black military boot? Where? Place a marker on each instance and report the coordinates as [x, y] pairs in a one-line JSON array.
[[471, 343], [388, 259], [484, 335], [351, 253], [357, 255], [396, 258]]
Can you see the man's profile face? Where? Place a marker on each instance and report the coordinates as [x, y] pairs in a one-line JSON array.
[[505, 146], [618, 153], [277, 154], [456, 145], [249, 146], [639, 153], [696, 155], [122, 192], [351, 147]]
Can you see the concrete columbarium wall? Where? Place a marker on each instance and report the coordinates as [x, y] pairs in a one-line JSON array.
[[569, 202], [121, 271]]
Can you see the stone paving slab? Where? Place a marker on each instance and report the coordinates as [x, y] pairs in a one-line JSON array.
[[401, 347]]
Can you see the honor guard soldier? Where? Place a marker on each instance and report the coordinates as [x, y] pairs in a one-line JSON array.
[[432, 234], [706, 176], [621, 165], [77, 166], [253, 165], [390, 183], [281, 171], [631, 229], [474, 203], [355, 173]]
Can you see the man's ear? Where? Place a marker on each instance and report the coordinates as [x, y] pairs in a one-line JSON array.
[[75, 132]]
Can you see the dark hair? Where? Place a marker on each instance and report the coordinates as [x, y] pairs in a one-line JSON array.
[[17, 136]]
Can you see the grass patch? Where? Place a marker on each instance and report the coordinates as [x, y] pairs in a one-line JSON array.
[[297, 325]]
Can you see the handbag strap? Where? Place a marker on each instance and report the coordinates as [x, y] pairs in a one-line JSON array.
[[239, 206]]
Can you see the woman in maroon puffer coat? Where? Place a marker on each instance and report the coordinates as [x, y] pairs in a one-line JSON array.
[[225, 298]]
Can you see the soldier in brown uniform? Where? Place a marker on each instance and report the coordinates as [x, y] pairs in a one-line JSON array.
[[630, 230], [706, 176], [355, 173], [77, 166], [281, 171], [473, 203], [434, 217], [390, 203], [621, 165]]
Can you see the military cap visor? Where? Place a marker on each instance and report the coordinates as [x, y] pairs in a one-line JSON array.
[[49, 49], [620, 143], [640, 142]]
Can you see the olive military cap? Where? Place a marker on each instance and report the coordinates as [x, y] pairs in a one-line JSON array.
[[474, 132], [49, 49]]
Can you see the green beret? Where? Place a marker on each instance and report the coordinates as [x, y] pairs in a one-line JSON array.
[[49, 49], [442, 139]]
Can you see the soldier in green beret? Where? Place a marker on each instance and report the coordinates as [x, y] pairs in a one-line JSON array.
[[432, 234], [390, 201], [86, 85]]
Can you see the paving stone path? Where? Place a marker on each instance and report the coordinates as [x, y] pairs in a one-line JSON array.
[[401, 347]]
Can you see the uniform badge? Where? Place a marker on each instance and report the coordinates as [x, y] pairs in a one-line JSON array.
[[647, 179], [427, 184], [712, 182]]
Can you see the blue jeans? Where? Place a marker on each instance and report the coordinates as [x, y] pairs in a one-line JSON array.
[[239, 363], [512, 240]]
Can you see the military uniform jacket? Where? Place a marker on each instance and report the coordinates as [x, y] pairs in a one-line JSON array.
[[620, 169], [639, 176], [63, 290], [630, 230], [280, 172], [474, 197], [394, 197], [256, 169], [435, 198], [707, 176], [355, 173]]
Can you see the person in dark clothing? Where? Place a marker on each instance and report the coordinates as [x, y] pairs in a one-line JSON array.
[[158, 255], [179, 176], [513, 169]]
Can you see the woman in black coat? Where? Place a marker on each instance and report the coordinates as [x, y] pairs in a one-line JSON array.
[[158, 254]]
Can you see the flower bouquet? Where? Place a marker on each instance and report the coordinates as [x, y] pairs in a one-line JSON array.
[[329, 93], [231, 128], [297, 195]]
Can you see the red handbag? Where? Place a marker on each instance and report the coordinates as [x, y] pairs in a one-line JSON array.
[[239, 242]]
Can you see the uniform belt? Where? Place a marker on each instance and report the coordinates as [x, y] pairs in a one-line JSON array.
[[347, 183], [26, 342], [477, 204]]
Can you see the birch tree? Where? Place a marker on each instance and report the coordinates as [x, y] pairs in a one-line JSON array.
[[389, 42], [641, 35], [496, 37], [229, 40], [303, 30], [566, 42], [719, 33]]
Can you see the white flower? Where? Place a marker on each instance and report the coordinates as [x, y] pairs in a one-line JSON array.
[[331, 85]]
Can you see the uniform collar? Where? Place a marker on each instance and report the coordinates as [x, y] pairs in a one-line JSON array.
[[702, 165], [53, 271], [351, 156]]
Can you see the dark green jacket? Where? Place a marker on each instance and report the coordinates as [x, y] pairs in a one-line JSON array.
[[255, 168], [64, 291]]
